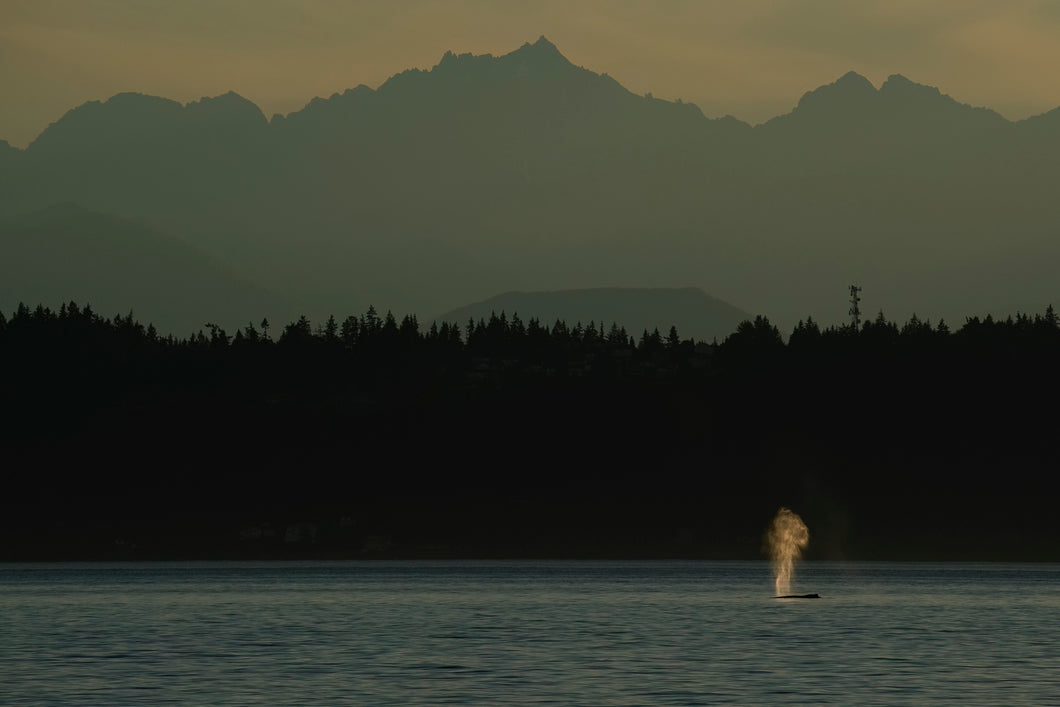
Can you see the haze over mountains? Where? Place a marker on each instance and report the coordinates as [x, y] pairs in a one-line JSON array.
[[66, 253], [524, 172]]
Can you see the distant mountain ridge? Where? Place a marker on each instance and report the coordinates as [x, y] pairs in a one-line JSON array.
[[133, 117], [523, 171], [67, 253], [694, 313], [538, 63]]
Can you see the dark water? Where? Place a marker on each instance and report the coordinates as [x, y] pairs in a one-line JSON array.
[[510, 633]]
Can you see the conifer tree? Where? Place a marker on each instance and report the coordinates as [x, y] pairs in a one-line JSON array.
[[673, 341], [331, 329], [370, 323], [250, 334], [350, 329]]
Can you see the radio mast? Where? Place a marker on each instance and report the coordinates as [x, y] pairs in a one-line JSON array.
[[855, 313]]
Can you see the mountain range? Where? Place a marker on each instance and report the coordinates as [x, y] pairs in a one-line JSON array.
[[491, 174]]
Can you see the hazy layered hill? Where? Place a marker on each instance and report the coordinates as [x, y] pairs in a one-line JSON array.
[[6, 151], [692, 311], [9, 161], [149, 158], [524, 172], [154, 124], [66, 253]]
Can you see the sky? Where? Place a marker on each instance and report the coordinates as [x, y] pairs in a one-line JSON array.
[[752, 59]]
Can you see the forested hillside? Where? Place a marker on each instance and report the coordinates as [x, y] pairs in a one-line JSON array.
[[366, 436]]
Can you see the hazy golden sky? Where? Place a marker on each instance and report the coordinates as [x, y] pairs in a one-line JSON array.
[[749, 58]]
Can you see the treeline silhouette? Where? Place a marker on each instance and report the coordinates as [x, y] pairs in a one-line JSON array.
[[382, 337], [372, 436]]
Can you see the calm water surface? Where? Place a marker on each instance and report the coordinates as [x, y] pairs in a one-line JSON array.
[[511, 633]]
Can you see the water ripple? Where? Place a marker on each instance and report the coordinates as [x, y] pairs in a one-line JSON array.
[[527, 633]]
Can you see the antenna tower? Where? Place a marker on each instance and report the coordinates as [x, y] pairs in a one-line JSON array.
[[855, 313]]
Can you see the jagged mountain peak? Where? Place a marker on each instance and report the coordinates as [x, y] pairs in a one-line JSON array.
[[852, 99], [899, 88], [454, 75], [897, 80], [898, 85], [848, 91], [542, 46], [541, 52], [231, 98], [905, 96], [539, 63], [228, 108]]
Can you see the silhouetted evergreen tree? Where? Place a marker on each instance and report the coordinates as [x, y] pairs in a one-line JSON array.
[[331, 330], [350, 330], [250, 334], [673, 340], [754, 342], [297, 332], [371, 324], [218, 336], [650, 343], [390, 327], [518, 329], [1051, 319], [806, 337]]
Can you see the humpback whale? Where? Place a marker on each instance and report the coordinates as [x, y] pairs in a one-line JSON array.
[[800, 596]]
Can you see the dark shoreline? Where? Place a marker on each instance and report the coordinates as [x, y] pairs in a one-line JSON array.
[[892, 444]]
